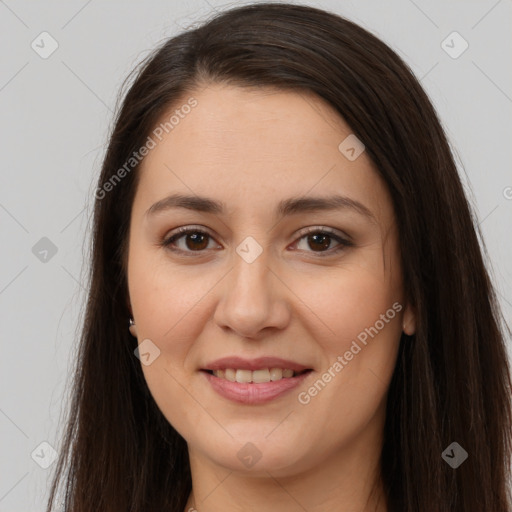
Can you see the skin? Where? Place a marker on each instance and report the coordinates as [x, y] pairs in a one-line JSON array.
[[251, 148]]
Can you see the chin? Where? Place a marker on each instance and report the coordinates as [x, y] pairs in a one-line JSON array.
[[258, 456]]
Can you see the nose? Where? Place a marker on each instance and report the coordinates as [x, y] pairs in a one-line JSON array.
[[253, 299]]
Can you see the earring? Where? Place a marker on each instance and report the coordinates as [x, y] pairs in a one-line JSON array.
[[404, 327], [132, 328]]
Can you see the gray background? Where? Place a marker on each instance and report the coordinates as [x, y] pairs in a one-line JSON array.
[[55, 114]]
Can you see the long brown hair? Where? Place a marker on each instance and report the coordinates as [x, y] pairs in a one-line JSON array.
[[452, 380]]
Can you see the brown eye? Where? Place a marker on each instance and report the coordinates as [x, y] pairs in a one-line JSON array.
[[195, 240], [320, 241]]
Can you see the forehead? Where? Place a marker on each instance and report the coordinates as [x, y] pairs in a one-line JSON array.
[[251, 148]]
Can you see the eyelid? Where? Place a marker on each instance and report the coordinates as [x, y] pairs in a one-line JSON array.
[[304, 231], [189, 228], [324, 229]]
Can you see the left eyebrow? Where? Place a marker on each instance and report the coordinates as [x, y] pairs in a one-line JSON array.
[[286, 207]]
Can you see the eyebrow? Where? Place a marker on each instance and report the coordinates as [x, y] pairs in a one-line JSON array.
[[293, 205]]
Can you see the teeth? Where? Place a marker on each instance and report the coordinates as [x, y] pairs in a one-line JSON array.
[[256, 376], [276, 374], [243, 376], [261, 375]]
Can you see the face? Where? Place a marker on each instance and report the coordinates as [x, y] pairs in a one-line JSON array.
[[265, 272]]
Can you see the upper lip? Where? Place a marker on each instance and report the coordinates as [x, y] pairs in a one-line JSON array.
[[259, 363]]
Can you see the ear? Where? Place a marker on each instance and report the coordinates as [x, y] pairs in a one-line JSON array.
[[132, 328], [409, 320]]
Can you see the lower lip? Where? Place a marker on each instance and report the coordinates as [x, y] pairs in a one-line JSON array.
[[253, 393]]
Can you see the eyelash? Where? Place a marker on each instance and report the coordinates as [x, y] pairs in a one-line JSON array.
[[343, 243]]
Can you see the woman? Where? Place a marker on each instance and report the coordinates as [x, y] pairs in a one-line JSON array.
[[288, 306]]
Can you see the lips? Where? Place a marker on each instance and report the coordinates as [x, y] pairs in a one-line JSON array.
[[251, 393], [260, 363], [254, 381]]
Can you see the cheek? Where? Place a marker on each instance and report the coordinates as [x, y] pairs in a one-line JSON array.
[[166, 298], [350, 300], [359, 334], [168, 302]]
